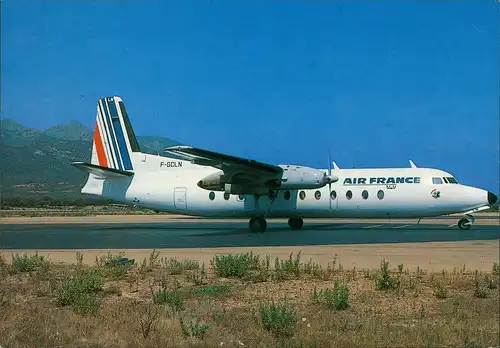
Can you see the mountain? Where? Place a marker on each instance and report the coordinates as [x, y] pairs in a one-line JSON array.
[[36, 163], [72, 131]]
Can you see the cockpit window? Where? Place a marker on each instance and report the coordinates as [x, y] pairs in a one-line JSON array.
[[452, 180], [437, 181]]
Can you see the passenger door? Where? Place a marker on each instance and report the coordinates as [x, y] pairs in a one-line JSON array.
[[180, 201]]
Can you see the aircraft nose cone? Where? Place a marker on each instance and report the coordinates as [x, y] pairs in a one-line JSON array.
[[492, 198]]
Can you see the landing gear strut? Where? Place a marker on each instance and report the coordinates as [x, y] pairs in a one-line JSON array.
[[257, 224], [295, 223], [466, 222]]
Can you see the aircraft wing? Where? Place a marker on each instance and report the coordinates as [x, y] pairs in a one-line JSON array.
[[231, 165]]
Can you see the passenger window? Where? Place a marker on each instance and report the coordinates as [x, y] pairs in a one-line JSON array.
[[226, 196], [211, 195], [364, 194], [241, 197], [380, 194], [437, 181], [287, 195], [333, 195], [317, 195], [348, 194], [302, 195]]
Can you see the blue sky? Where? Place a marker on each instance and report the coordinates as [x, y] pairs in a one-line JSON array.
[[280, 81]]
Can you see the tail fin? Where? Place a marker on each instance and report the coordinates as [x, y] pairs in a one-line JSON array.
[[114, 139]]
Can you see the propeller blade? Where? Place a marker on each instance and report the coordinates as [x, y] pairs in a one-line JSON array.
[[329, 171], [329, 162]]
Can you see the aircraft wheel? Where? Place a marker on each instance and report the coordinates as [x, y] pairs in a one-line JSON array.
[[464, 224], [295, 223], [257, 224]]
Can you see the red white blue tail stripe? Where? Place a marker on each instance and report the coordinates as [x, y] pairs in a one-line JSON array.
[[112, 141]]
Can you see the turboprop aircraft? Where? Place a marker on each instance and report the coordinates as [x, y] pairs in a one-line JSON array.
[[198, 182]]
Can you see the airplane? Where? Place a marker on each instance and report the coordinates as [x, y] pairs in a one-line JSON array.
[[192, 181]]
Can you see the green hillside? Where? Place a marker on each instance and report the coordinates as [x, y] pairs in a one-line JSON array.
[[35, 164]]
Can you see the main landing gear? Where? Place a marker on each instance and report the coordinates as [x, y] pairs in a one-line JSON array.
[[295, 223], [466, 222], [259, 223]]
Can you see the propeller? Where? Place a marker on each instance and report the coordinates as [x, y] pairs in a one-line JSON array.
[[327, 178], [329, 171]]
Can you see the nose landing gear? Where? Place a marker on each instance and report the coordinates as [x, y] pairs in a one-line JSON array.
[[466, 222]]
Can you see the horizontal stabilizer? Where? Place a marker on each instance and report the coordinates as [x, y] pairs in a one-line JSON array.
[[100, 171]]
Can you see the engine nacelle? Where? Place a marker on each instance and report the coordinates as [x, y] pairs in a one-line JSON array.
[[213, 182], [297, 177], [234, 189]]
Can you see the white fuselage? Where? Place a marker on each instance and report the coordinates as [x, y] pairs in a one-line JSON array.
[[170, 185]]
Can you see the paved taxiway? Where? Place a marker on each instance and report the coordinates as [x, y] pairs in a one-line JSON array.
[[434, 245], [228, 234]]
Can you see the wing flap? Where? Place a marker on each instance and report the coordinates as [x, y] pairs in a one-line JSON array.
[[227, 163], [100, 171]]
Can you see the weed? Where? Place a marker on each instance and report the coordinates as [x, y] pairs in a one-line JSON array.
[[337, 299], [278, 318], [440, 291], [194, 328], [262, 274], [173, 298], [113, 266], [79, 259], [4, 268], [490, 283], [4, 300], [385, 281], [25, 263], [79, 291], [215, 289], [234, 266], [148, 320], [148, 264], [285, 268], [109, 259], [496, 269], [178, 267], [400, 268], [480, 290], [420, 273], [199, 278]]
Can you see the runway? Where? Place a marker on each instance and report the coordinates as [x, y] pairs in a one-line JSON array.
[[193, 234]]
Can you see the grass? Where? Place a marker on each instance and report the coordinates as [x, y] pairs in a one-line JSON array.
[[242, 300]]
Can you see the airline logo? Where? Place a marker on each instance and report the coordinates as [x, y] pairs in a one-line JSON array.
[[435, 193], [111, 143], [382, 180]]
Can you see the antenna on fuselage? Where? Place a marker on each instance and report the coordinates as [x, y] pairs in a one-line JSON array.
[[412, 164]]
